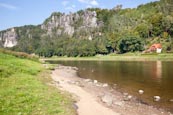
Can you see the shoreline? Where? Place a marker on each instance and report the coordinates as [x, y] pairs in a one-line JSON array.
[[101, 94], [116, 57]]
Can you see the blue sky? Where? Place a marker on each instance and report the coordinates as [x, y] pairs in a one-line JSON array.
[[24, 12]]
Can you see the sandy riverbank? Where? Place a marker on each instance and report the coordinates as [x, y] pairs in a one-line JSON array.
[[95, 98]]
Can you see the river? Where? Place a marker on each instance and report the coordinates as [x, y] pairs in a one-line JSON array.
[[154, 77]]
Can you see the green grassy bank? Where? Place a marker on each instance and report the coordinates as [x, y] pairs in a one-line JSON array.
[[24, 89], [119, 57]]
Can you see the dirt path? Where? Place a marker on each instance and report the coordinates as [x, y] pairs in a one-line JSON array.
[[95, 98], [87, 104]]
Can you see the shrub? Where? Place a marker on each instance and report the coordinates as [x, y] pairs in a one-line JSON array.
[[130, 44]]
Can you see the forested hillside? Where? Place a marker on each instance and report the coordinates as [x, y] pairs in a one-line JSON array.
[[98, 31]]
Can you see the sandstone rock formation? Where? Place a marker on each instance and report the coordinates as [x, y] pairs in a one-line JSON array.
[[56, 25], [8, 38], [68, 24]]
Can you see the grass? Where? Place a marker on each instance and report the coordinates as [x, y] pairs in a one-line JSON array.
[[24, 89], [119, 57], [19, 54]]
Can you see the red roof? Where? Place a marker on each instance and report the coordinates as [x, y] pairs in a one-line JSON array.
[[156, 46]]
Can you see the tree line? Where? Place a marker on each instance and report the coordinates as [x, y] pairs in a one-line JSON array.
[[124, 30]]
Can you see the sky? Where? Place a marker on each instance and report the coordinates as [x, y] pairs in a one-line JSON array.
[[25, 12]]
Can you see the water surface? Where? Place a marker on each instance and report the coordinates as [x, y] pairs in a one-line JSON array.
[[154, 77]]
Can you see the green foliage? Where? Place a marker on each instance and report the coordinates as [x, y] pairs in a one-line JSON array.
[[101, 45], [143, 30], [57, 14], [129, 44], [156, 21], [29, 38], [86, 48], [66, 47], [78, 23]]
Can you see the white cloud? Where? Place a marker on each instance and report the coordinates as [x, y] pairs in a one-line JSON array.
[[65, 3], [72, 7], [83, 1], [89, 2], [68, 6], [8, 6], [94, 3]]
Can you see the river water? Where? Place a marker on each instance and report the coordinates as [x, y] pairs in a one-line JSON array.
[[154, 77]]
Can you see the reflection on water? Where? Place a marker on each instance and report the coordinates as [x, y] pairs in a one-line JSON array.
[[159, 70], [154, 77]]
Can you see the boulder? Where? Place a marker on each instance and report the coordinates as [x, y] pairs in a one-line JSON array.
[[108, 99]]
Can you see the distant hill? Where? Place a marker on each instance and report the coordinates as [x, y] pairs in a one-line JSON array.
[[96, 31]]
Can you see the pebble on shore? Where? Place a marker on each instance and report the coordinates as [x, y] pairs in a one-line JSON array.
[[108, 99], [171, 100], [157, 98], [140, 91], [95, 81], [125, 94], [87, 80], [127, 98], [105, 85]]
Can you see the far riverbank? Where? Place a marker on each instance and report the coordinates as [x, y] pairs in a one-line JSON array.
[[118, 57]]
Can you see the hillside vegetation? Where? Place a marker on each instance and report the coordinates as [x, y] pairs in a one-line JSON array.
[[23, 89], [120, 30]]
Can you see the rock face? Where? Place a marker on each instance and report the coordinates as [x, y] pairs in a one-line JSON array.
[[57, 24], [68, 24], [8, 38]]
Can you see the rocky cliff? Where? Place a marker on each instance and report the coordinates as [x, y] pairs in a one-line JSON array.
[[8, 38], [56, 25], [62, 23]]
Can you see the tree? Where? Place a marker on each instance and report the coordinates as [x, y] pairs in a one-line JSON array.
[[156, 21], [167, 24], [143, 30], [100, 45], [129, 44]]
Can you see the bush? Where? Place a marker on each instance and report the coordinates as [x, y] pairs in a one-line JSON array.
[[130, 44]]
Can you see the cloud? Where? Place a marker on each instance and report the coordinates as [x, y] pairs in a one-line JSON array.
[[8, 6], [89, 2], [65, 3], [94, 3], [83, 1], [68, 6], [72, 7]]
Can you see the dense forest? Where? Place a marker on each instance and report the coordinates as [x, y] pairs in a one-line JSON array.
[[122, 31]]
